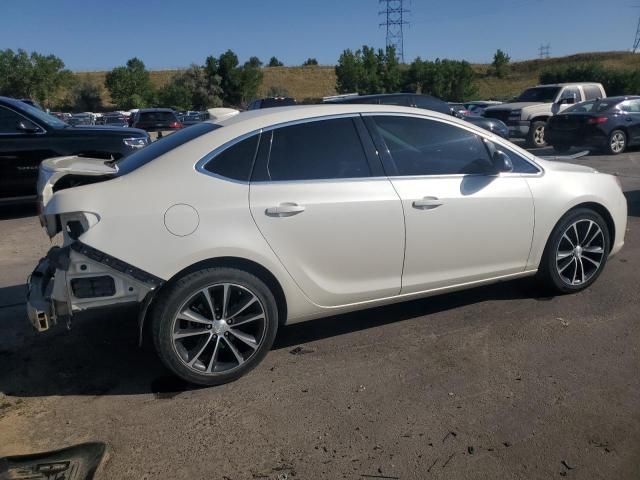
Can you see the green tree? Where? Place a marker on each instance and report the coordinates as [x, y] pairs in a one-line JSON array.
[[37, 76], [130, 86], [501, 64], [348, 72], [230, 80], [451, 80], [195, 88], [250, 79], [309, 62], [86, 96], [274, 62]]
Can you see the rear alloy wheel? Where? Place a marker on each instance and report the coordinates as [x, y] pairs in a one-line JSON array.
[[535, 138], [617, 142], [576, 252], [215, 325]]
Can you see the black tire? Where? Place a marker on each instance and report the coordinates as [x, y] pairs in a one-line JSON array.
[[183, 290], [562, 148], [548, 273], [617, 142], [533, 140]]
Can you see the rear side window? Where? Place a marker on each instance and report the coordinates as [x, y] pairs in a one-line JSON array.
[[631, 106], [317, 150], [591, 92], [162, 146], [236, 161], [427, 147]]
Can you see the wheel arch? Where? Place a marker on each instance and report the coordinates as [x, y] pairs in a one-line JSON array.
[[228, 262], [600, 209], [540, 118]]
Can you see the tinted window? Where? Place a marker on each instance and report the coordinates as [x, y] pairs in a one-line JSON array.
[[9, 121], [162, 146], [591, 92], [157, 117], [539, 94], [571, 91], [317, 150], [236, 161], [427, 147]]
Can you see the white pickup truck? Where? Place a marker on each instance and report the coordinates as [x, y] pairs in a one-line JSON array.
[[527, 115]]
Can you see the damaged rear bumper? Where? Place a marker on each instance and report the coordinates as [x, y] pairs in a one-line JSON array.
[[76, 278]]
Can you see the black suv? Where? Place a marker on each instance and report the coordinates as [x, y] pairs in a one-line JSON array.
[[271, 102], [29, 135], [426, 102], [155, 119]]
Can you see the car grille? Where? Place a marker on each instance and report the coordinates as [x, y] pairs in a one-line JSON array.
[[499, 114]]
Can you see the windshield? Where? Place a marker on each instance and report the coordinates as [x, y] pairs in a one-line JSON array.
[[43, 117], [162, 146], [539, 94], [593, 106]]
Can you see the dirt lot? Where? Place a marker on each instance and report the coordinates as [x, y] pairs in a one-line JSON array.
[[494, 383]]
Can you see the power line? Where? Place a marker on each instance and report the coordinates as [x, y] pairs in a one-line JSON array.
[[544, 51], [394, 15], [636, 42]]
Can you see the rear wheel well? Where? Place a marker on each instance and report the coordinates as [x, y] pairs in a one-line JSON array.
[[228, 262], [248, 266]]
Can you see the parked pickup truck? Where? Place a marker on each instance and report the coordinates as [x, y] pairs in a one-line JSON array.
[[527, 115], [29, 135]]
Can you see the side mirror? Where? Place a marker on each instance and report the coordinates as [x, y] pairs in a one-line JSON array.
[[501, 162], [28, 126]]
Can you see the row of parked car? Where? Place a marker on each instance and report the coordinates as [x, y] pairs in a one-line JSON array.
[[561, 115]]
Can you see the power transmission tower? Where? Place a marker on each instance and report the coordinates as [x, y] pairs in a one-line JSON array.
[[394, 15], [545, 51], [636, 42]]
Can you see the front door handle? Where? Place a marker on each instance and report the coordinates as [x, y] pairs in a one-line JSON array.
[[286, 209], [427, 203]]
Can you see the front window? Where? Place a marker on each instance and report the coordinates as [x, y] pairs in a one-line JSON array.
[[539, 94], [427, 147]]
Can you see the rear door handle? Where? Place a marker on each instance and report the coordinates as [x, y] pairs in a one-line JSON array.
[[286, 209], [427, 203]]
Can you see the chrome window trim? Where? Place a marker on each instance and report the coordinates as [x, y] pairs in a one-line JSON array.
[[41, 132], [491, 137]]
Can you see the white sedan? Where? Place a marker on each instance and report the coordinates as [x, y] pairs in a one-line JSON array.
[[226, 230]]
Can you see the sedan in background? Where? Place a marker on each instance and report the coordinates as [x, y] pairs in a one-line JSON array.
[[277, 216], [476, 108], [159, 120], [609, 124]]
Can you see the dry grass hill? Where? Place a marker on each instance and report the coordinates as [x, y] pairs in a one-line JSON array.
[[318, 81]]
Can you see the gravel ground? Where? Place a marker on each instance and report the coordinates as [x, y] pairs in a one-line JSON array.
[[495, 382]]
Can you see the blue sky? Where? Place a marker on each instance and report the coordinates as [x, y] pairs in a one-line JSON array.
[[101, 34]]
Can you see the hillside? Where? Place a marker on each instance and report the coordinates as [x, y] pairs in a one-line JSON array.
[[318, 81]]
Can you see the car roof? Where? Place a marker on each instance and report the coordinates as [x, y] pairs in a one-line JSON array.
[[619, 98], [264, 118], [568, 84]]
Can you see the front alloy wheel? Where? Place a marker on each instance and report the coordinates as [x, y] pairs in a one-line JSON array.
[[576, 251], [535, 138], [617, 142], [214, 325]]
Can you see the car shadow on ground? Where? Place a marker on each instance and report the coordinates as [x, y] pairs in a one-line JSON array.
[[633, 203], [100, 354], [21, 210]]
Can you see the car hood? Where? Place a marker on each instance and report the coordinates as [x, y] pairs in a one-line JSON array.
[[511, 106], [561, 166]]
